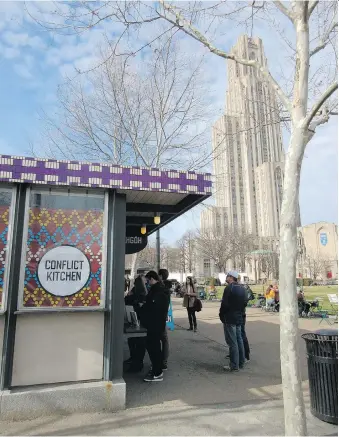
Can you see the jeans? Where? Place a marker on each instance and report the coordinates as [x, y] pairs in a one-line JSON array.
[[245, 340], [235, 343], [191, 317], [153, 344], [270, 302], [165, 347]]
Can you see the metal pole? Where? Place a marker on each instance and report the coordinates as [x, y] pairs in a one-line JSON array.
[[158, 250]]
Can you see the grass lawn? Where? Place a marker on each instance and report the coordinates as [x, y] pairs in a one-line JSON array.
[[311, 293]]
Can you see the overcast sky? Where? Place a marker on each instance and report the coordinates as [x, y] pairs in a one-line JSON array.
[[33, 63]]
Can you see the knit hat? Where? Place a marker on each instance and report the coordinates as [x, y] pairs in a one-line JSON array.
[[234, 274]]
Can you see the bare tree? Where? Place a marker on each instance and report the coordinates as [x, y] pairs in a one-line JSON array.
[[187, 250], [317, 266], [306, 96], [244, 244], [122, 113], [170, 258], [221, 247]]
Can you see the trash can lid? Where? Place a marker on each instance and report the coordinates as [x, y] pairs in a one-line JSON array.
[[326, 332]]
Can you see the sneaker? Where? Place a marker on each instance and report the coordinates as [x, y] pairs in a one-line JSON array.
[[164, 367], [154, 378], [190, 329], [229, 369], [195, 329]]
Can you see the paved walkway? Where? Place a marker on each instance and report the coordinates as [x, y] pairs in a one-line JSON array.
[[197, 397]]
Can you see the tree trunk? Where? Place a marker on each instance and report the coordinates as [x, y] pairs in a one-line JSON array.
[[133, 268], [295, 419]]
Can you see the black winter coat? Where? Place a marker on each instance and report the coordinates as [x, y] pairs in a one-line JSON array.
[[233, 304], [153, 314], [168, 287]]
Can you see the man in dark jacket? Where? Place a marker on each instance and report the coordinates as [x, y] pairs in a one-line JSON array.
[[163, 275], [231, 314], [154, 317]]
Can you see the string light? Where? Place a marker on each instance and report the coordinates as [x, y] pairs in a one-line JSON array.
[[143, 229]]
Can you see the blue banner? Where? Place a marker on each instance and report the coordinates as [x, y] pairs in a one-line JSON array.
[[170, 321], [323, 239]]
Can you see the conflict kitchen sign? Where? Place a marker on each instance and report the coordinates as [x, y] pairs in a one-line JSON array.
[[135, 241], [64, 271]]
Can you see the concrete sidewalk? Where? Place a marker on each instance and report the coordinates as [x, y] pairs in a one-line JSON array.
[[197, 397]]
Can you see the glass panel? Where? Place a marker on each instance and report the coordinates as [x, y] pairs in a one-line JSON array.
[[64, 251], [5, 214]]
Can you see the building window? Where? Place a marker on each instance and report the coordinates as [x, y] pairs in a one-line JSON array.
[[207, 267]]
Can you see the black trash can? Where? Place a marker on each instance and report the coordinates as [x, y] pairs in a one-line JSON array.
[[322, 358]]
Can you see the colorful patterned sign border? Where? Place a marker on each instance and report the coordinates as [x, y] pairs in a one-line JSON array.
[[4, 219], [49, 228], [85, 174]]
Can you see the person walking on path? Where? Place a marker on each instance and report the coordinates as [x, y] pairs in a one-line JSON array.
[[189, 302], [154, 317], [231, 314], [163, 275]]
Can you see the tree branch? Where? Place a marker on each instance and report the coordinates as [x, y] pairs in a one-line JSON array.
[[324, 40], [316, 107], [282, 8], [311, 6], [190, 30]]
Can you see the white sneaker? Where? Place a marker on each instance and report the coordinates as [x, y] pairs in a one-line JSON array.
[[153, 378]]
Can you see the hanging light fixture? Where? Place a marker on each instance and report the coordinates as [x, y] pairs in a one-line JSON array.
[[143, 229], [157, 218]]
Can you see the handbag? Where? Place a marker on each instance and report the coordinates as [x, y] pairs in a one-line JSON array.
[[197, 305]]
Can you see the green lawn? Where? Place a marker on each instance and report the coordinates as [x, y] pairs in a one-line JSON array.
[[310, 292]]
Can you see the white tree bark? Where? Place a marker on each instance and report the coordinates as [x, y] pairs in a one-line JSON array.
[[134, 268], [294, 408]]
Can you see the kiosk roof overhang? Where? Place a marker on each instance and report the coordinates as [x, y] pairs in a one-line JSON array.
[[148, 191]]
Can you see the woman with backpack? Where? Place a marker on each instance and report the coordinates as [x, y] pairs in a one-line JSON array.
[[190, 302]]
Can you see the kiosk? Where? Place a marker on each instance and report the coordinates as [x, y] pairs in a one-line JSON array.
[[64, 230]]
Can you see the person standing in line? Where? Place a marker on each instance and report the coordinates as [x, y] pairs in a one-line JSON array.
[[153, 318], [231, 314], [249, 296], [137, 347], [189, 301], [163, 275]]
